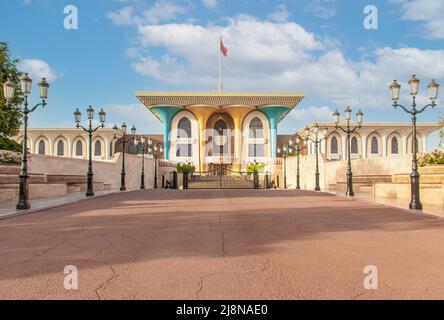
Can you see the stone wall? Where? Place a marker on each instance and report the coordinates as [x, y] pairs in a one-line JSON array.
[[333, 171], [104, 171]]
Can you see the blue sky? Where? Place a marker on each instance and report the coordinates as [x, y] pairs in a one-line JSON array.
[[319, 47]]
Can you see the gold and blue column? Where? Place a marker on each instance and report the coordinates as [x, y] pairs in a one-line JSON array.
[[166, 115], [274, 114]]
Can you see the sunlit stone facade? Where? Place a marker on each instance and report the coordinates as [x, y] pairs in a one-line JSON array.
[[214, 129]]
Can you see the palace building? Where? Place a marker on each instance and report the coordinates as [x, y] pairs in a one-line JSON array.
[[220, 129], [230, 130]]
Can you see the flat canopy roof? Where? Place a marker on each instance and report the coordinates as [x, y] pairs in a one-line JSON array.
[[219, 99]]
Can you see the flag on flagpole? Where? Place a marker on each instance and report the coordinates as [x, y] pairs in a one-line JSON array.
[[223, 49]]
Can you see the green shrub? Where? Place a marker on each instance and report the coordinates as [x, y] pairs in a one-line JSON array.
[[9, 145], [428, 159], [186, 167], [255, 167]]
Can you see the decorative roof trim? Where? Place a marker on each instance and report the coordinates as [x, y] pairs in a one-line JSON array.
[[219, 99], [376, 125]]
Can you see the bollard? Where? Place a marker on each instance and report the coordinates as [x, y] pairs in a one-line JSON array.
[[174, 180]]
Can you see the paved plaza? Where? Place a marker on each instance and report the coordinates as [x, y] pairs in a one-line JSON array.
[[222, 244]]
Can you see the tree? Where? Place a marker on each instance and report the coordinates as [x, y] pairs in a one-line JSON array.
[[9, 113]]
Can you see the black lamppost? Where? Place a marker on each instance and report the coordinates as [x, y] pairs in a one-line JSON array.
[[433, 88], [348, 130], [90, 130], [156, 151], [316, 141], [143, 149], [123, 140], [298, 151], [9, 88], [286, 151]]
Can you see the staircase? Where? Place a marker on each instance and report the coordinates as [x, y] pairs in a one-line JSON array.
[[361, 183], [431, 186], [40, 185]]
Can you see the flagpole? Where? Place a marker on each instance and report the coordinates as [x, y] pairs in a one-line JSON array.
[[220, 65]]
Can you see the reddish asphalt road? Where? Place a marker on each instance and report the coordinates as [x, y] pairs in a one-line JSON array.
[[222, 244]]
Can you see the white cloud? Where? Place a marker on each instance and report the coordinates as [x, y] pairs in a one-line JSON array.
[[124, 17], [430, 12], [323, 9], [133, 114], [300, 117], [259, 47], [210, 4], [38, 69], [281, 14], [277, 56], [162, 10]]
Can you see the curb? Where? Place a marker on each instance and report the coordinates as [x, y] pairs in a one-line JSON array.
[[26, 212]]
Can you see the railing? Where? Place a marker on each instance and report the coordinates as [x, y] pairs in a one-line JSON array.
[[223, 178]]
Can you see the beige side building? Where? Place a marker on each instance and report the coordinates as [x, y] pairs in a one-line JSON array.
[[372, 140], [70, 142]]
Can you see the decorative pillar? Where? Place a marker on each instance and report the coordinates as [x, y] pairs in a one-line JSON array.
[[69, 146], [238, 115], [274, 115], [106, 148], [364, 146], [404, 143], [324, 147], [202, 115], [424, 142], [166, 114], [384, 145]]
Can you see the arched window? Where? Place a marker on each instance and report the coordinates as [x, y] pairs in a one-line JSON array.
[[184, 128], [220, 139], [256, 128], [42, 147], [374, 146], [98, 149], [184, 148], [79, 148], [256, 131], [334, 146], [60, 148], [354, 145], [395, 149]]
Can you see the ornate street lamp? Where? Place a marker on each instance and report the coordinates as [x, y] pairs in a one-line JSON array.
[[90, 130], [316, 140], [348, 130], [286, 151], [9, 88], [123, 140], [156, 151], [143, 149], [297, 149], [433, 88]]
